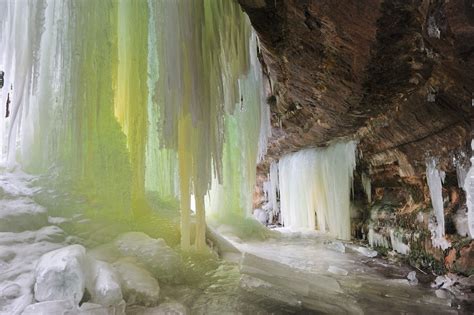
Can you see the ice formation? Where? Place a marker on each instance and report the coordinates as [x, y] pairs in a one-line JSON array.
[[181, 109], [396, 240], [377, 239], [315, 188], [366, 184], [469, 189], [271, 189], [435, 179]]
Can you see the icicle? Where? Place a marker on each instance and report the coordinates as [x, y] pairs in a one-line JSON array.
[[469, 189], [435, 179], [316, 184], [367, 187]]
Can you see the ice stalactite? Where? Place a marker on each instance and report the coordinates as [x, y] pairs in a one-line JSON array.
[[435, 179], [376, 239], [469, 189], [131, 98], [366, 184], [161, 174], [315, 188], [233, 195], [204, 75]]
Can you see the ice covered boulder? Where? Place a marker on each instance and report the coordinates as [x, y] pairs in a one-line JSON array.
[[103, 283], [60, 275], [17, 215], [155, 254], [59, 307], [138, 285], [168, 308]]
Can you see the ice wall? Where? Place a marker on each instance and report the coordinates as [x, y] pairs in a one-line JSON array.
[[315, 188], [120, 97]]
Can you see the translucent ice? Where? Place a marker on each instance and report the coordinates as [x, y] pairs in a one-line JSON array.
[[435, 179], [337, 271]]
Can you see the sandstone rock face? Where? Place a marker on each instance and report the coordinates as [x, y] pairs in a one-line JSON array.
[[396, 75]]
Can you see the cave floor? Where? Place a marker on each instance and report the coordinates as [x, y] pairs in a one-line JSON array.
[[331, 276]]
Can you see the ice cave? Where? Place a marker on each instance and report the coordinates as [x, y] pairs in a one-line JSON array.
[[236, 157]]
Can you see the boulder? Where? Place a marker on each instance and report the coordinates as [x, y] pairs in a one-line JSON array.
[[61, 275], [138, 285], [155, 254], [103, 283]]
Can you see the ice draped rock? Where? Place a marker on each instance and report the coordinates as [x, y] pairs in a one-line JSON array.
[[103, 283], [138, 285], [155, 254], [61, 275]]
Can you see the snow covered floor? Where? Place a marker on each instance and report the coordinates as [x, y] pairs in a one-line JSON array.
[[25, 235]]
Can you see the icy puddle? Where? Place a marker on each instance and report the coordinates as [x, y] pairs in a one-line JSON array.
[[57, 256]]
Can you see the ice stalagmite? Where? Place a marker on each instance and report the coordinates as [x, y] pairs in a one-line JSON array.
[[315, 187]]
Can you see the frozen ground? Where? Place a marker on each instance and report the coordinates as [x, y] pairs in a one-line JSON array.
[[315, 271], [44, 269]]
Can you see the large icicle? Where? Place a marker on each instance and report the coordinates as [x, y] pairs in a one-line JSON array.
[[315, 187], [435, 179], [469, 189]]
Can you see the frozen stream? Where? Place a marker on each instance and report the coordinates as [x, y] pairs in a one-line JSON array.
[[287, 273]]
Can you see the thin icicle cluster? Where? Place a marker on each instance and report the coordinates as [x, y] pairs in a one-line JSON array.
[[315, 188], [435, 179], [377, 239]]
